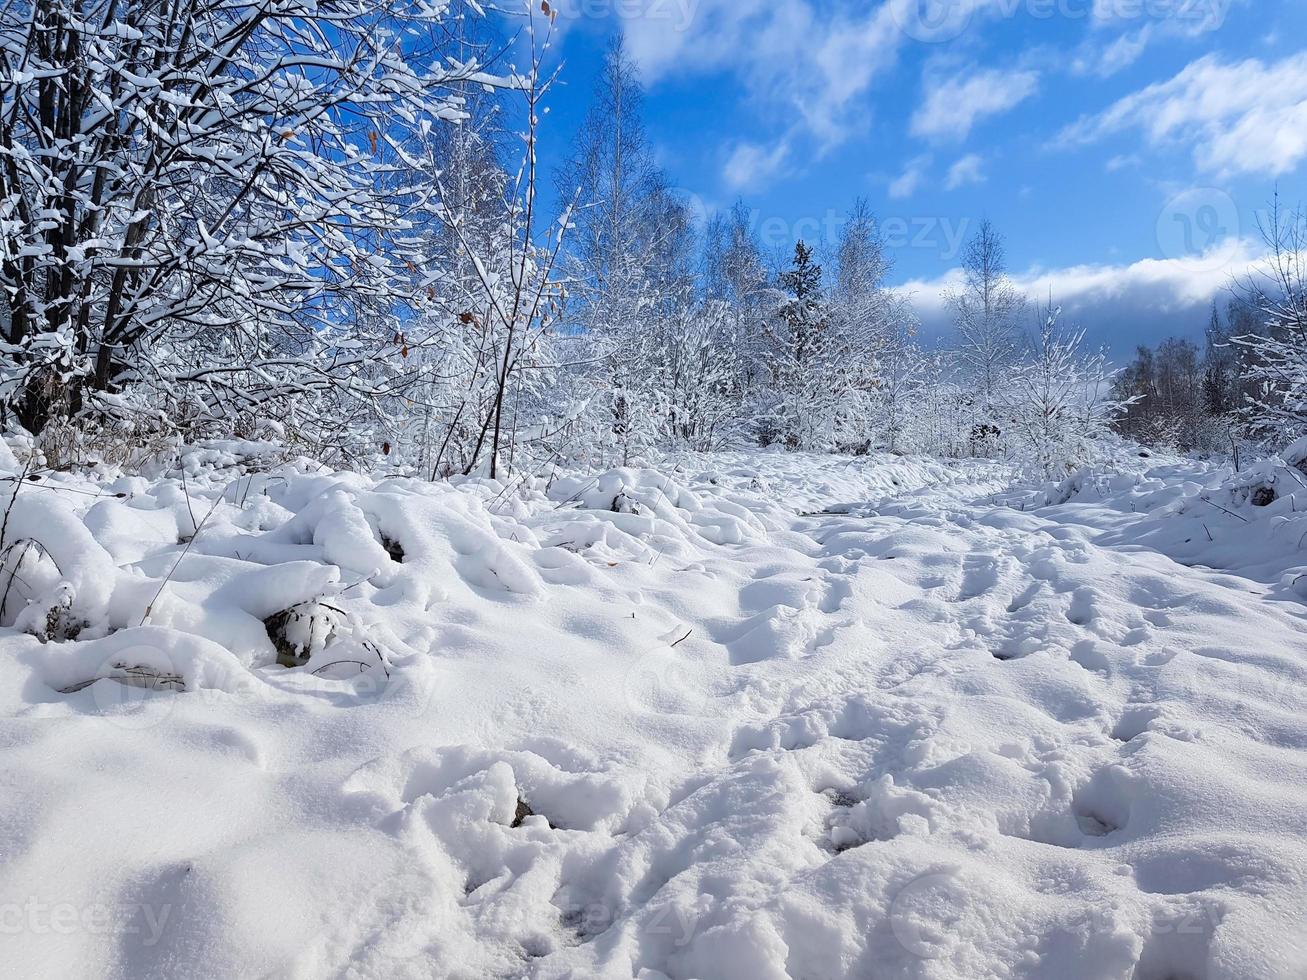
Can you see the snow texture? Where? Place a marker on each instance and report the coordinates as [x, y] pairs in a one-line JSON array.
[[758, 716]]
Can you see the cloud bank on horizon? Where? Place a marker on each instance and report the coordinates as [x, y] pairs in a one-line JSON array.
[[1143, 302]]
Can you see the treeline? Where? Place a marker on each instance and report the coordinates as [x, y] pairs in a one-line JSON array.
[[323, 221], [1245, 389], [1190, 399]]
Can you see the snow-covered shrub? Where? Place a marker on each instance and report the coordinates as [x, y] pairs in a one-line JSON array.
[[1276, 348], [1057, 405], [57, 579]]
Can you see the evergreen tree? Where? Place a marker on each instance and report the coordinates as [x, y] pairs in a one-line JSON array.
[[804, 359]]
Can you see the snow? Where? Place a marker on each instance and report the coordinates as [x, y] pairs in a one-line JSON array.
[[748, 716]]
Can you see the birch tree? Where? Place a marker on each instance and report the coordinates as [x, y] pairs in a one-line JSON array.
[[986, 311]]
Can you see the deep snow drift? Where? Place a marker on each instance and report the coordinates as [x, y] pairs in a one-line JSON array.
[[755, 717]]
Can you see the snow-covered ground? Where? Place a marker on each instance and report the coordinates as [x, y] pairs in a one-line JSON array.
[[755, 717]]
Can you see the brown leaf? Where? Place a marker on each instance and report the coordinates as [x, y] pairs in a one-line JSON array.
[[385, 449]]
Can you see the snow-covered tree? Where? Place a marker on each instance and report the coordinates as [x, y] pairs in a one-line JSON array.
[[902, 377], [476, 252], [986, 311], [1277, 349], [202, 211], [1058, 400], [859, 295], [808, 364], [630, 257], [875, 327], [626, 231], [734, 271]]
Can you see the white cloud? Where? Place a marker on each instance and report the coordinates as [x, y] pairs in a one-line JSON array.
[[1121, 305], [1245, 117], [1142, 23], [801, 59], [953, 105], [751, 165], [1103, 61], [906, 184], [969, 170]]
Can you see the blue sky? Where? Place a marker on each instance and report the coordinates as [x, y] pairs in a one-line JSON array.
[[1124, 147]]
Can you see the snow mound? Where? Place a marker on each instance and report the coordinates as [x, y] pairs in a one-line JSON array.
[[758, 716]]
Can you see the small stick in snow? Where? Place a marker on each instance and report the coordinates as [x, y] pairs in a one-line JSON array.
[[181, 464], [167, 578], [1224, 511], [13, 498], [1293, 472], [682, 639], [56, 489], [363, 668]]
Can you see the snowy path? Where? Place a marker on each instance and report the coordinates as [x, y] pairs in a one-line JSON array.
[[928, 737]]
